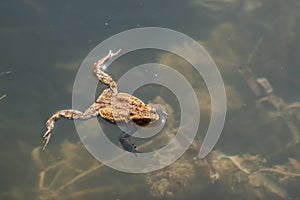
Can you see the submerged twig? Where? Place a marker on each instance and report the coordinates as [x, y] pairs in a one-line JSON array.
[[253, 52], [278, 171], [95, 168]]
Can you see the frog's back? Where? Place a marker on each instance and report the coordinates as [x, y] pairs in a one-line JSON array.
[[119, 107]]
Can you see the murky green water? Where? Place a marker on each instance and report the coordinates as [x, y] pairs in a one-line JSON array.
[[43, 44]]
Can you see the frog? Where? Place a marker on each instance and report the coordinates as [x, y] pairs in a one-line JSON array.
[[113, 106]]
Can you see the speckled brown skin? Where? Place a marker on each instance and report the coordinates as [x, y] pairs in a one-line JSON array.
[[110, 105]]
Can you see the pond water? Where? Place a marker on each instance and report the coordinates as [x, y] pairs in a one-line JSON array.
[[43, 44]]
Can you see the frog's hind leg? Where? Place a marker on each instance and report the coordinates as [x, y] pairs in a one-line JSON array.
[[99, 68], [68, 114]]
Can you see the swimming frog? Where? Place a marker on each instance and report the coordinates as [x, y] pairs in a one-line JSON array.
[[112, 106]]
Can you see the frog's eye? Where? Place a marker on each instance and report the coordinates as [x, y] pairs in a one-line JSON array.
[[146, 120]]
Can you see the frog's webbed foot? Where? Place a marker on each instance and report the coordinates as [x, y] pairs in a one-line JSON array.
[[50, 126], [100, 64], [109, 56], [46, 137], [126, 143]]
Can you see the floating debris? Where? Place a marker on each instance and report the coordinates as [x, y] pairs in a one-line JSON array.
[[3, 73], [2, 97], [7, 72]]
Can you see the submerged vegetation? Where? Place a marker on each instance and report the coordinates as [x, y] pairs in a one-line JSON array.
[[257, 157]]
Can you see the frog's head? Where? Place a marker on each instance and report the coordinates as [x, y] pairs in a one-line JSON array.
[[148, 114], [144, 116]]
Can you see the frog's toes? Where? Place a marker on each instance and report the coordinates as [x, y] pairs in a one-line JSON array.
[[46, 137]]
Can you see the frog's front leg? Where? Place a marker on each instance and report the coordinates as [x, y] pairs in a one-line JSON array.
[[92, 111], [100, 67], [125, 141]]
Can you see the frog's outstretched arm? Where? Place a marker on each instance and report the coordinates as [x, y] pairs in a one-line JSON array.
[[125, 141]]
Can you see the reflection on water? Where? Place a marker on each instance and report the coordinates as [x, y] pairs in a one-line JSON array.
[[255, 45]]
